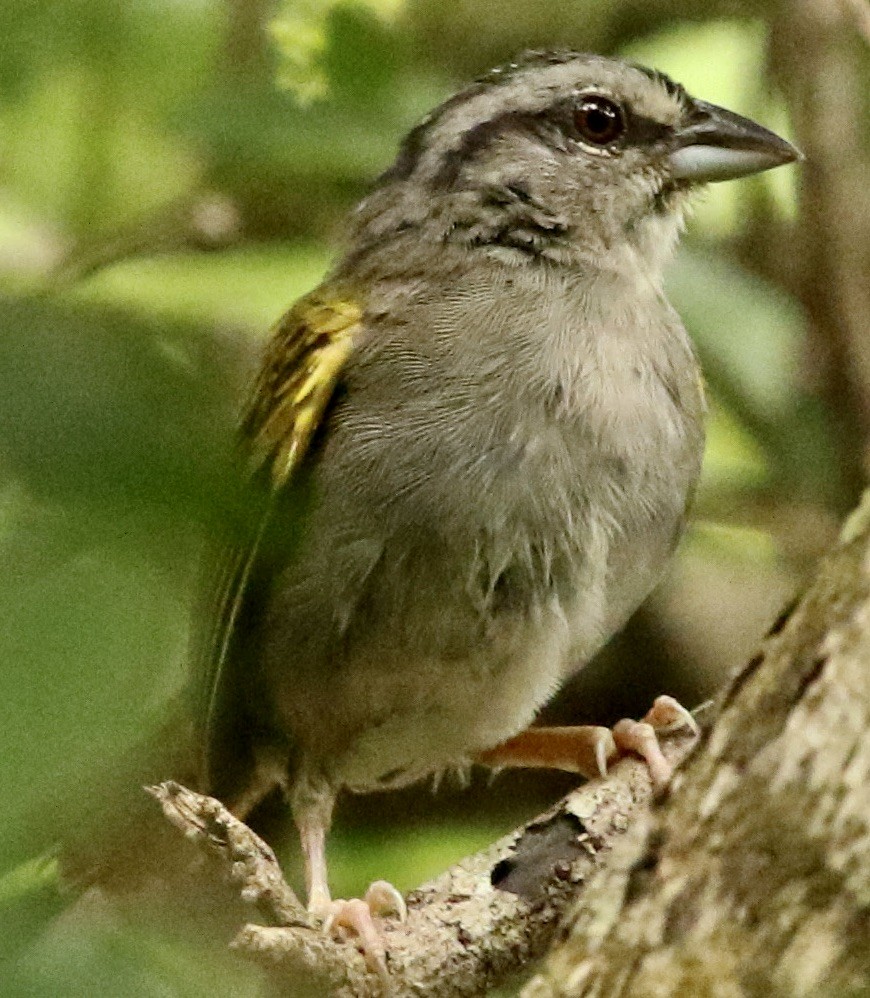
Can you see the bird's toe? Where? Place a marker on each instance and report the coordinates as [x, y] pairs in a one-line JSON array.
[[356, 920]]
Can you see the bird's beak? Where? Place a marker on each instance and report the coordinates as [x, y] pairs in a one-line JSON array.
[[721, 145]]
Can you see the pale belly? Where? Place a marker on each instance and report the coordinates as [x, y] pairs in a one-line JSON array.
[[454, 708], [435, 712]]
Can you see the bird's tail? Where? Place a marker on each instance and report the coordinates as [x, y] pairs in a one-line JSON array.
[[120, 838]]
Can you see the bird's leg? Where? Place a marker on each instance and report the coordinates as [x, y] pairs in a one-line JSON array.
[[584, 749], [354, 917], [268, 774], [312, 837], [589, 749]]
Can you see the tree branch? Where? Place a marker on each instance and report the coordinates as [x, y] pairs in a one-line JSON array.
[[479, 923]]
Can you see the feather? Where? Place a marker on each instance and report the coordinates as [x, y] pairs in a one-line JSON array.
[[304, 362]]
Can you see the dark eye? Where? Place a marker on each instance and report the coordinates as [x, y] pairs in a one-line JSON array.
[[599, 120]]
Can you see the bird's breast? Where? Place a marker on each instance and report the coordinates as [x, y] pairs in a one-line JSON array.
[[491, 508]]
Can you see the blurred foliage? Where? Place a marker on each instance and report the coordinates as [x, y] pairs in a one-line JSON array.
[[119, 126]]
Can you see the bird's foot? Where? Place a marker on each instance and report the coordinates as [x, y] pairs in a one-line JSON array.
[[354, 919], [642, 737], [590, 749]]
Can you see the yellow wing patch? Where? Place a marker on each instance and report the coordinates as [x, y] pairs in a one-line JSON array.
[[302, 366], [306, 355]]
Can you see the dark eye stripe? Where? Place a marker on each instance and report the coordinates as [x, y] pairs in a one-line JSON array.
[[477, 138], [555, 126], [639, 130], [642, 131], [416, 142]]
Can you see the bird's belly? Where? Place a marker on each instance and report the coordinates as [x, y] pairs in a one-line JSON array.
[[435, 713], [432, 676], [454, 627]]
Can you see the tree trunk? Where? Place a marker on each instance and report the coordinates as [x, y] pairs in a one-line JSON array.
[[754, 877]]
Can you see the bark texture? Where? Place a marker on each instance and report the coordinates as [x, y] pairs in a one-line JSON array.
[[476, 925], [755, 877]]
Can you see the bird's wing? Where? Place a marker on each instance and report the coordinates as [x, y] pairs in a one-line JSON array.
[[304, 361]]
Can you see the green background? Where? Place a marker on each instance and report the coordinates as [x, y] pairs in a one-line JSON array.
[[172, 176]]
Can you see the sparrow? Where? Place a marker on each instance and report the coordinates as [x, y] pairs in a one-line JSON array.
[[477, 440]]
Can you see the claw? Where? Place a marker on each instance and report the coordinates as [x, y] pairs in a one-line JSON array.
[[667, 715], [356, 916], [354, 919], [383, 899], [604, 746]]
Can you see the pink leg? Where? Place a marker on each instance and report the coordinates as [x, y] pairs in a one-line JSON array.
[[589, 750], [312, 836], [585, 749], [353, 917]]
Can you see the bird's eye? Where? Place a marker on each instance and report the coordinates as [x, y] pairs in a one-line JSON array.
[[599, 120]]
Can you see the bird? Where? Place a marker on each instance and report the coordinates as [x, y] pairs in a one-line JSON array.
[[477, 442]]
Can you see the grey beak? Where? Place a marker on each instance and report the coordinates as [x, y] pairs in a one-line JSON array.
[[721, 145]]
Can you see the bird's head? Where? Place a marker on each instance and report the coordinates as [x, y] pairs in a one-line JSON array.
[[563, 155]]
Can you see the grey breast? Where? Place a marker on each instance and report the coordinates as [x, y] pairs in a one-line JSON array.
[[510, 446]]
